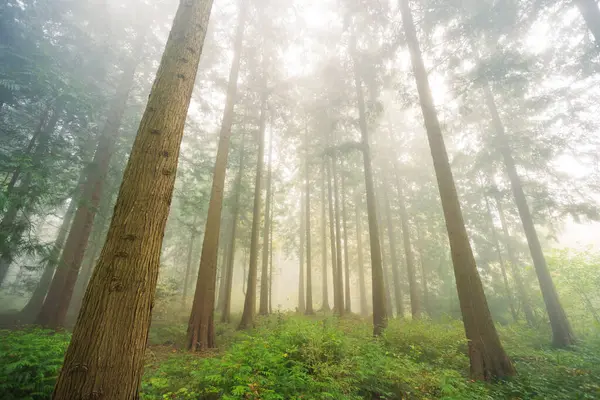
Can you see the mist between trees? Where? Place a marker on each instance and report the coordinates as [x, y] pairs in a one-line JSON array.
[[168, 163]]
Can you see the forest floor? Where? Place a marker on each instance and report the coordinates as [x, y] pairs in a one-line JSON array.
[[292, 357]]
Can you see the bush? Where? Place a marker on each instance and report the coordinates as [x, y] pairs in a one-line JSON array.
[[29, 362]]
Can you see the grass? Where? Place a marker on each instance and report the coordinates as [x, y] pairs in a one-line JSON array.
[[291, 357]]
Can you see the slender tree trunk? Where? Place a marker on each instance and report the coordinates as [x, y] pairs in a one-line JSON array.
[[106, 353], [496, 242], [393, 255], [226, 310], [301, 234], [309, 298], [562, 335], [250, 300], [488, 359], [332, 237], [515, 269], [389, 301], [379, 312], [200, 333], [347, 301], [421, 250], [364, 309], [265, 277], [338, 242], [54, 311], [591, 14], [325, 301], [271, 257], [188, 267], [415, 305]]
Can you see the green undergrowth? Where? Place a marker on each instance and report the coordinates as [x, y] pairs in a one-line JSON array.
[[290, 357]]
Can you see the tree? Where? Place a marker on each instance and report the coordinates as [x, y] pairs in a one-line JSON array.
[[200, 335], [106, 351], [265, 275], [309, 298], [325, 301], [488, 359]]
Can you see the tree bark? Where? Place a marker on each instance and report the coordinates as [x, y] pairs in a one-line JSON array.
[[509, 296], [54, 311], [339, 293], [309, 298], [226, 310], [265, 277], [591, 14], [398, 296], [250, 300], [415, 305], [515, 269], [488, 359], [200, 332], [332, 235], [379, 312], [362, 289], [325, 297], [106, 354], [347, 301], [301, 234], [562, 334]]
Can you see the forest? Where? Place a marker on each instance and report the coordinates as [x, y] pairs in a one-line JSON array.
[[301, 199]]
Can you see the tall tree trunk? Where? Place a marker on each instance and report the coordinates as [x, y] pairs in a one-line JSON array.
[[425, 282], [301, 234], [515, 269], [54, 311], [188, 266], [226, 310], [347, 301], [250, 300], [309, 298], [271, 257], [488, 359], [379, 313], [415, 305], [562, 335], [389, 301], [325, 297], [339, 308], [393, 255], [265, 277], [200, 332], [509, 296], [332, 236], [362, 289], [591, 14], [106, 353]]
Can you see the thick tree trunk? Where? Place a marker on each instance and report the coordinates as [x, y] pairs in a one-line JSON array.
[[250, 300], [265, 277], [364, 309], [332, 236], [515, 269], [106, 353], [509, 296], [200, 333], [309, 298], [398, 296], [488, 359], [339, 276], [347, 302], [301, 234], [226, 310], [591, 14], [379, 312], [562, 335], [325, 297], [54, 311], [415, 305]]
